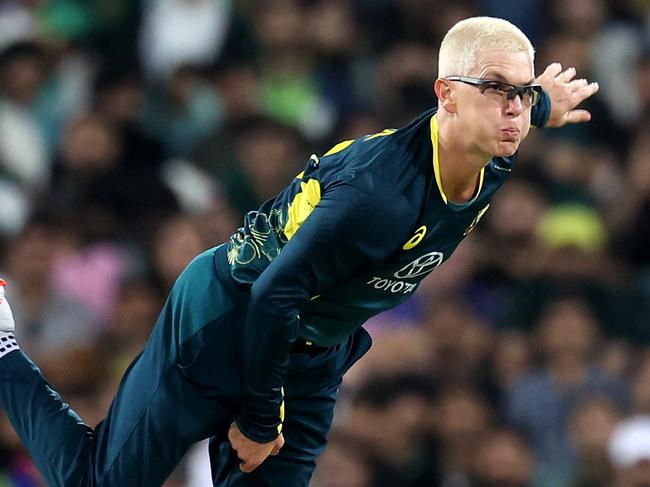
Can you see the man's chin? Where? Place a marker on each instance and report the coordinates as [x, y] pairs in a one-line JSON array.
[[506, 148]]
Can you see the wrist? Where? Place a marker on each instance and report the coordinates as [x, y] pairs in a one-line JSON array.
[[541, 112], [259, 433]]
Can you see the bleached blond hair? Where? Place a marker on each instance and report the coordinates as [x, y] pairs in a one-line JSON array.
[[464, 42]]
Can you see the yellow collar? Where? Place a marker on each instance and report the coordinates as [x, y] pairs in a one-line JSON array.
[[436, 164]]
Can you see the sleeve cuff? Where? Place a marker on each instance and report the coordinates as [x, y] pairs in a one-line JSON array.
[[257, 432], [262, 431], [541, 112]]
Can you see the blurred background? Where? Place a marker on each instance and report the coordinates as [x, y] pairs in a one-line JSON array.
[[135, 133]]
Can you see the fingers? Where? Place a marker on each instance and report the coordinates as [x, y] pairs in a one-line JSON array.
[[583, 85], [250, 462], [248, 467], [552, 69], [577, 84], [578, 116], [279, 443], [582, 90], [589, 90], [566, 76], [252, 454]]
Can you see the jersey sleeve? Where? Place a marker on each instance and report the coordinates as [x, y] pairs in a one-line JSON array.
[[355, 223]]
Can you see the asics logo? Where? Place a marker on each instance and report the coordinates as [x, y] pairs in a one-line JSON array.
[[420, 266], [416, 239]]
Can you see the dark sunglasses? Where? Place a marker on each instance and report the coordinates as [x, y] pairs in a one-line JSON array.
[[504, 92]]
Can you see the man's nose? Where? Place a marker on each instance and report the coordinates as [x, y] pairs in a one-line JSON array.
[[515, 106]]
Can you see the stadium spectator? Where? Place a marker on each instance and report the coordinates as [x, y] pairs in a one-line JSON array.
[[542, 402]]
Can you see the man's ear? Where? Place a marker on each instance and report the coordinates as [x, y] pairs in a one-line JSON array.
[[445, 94]]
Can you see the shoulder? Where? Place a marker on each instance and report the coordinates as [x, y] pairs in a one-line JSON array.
[[370, 191], [392, 154]]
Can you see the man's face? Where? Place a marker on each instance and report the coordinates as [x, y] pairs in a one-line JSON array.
[[494, 126]]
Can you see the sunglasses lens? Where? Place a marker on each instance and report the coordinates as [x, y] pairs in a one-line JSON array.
[[534, 97], [506, 92], [529, 96]]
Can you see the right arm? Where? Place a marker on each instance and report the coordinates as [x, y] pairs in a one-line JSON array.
[[355, 224]]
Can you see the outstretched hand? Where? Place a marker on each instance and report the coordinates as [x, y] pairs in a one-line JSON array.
[[251, 453], [566, 94]]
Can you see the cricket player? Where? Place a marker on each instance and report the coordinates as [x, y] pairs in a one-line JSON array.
[[251, 345]]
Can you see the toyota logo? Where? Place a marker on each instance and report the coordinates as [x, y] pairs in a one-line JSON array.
[[422, 265]]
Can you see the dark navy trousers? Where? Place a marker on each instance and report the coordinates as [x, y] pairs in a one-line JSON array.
[[185, 386]]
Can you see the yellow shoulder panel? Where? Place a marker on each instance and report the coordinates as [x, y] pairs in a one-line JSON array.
[[302, 205], [383, 133], [339, 147]]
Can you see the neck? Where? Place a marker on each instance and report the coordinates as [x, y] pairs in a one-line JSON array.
[[460, 163]]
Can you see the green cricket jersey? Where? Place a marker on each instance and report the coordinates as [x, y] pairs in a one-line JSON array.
[[351, 236]]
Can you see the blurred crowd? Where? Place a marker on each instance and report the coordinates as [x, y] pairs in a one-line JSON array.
[[135, 133]]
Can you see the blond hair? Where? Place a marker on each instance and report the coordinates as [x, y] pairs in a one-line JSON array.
[[462, 44]]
